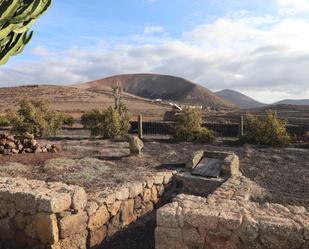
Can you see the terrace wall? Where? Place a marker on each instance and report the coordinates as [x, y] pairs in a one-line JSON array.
[[228, 219], [36, 214]]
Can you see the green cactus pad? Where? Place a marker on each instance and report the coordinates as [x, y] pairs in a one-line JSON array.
[[16, 18]]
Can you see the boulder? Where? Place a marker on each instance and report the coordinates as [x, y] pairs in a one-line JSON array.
[[136, 145]]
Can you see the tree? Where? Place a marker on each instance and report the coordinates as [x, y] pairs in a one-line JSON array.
[[268, 130], [16, 18], [36, 117], [111, 122], [188, 127], [106, 123]]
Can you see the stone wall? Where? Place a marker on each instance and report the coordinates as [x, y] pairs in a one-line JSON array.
[[228, 219], [36, 214]]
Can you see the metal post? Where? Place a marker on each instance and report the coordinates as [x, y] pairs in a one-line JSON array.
[[140, 126], [241, 126]]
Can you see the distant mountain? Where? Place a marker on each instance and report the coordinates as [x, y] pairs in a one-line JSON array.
[[240, 99], [293, 102], [155, 86]]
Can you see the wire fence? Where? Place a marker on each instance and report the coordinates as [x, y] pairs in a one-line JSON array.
[[165, 128], [224, 130]]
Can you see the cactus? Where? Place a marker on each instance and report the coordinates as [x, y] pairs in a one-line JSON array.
[[16, 18]]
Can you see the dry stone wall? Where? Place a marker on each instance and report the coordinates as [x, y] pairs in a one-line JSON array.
[[36, 214], [228, 219]]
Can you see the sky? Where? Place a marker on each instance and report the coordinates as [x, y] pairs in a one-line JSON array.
[[258, 47]]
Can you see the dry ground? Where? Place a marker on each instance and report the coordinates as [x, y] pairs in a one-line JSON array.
[[281, 175]]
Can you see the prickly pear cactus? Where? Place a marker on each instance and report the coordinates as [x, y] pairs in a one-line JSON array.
[[16, 18]]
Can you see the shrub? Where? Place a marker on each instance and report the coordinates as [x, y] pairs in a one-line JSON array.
[[4, 121], [188, 127], [68, 120], [267, 130], [36, 117], [106, 123]]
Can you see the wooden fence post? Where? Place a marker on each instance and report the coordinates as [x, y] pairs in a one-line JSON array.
[[241, 126], [140, 126]]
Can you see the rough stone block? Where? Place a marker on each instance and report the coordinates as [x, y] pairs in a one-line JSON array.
[[136, 145], [166, 216], [73, 224], [114, 207], [122, 194], [127, 212], [55, 203], [154, 194], [25, 202], [204, 218], [135, 189], [147, 195], [160, 189], [137, 202], [76, 241], [47, 228], [79, 198], [91, 208], [99, 219], [159, 178], [96, 237]]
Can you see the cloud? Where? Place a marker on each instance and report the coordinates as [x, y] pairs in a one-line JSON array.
[[264, 56], [152, 30], [293, 7]]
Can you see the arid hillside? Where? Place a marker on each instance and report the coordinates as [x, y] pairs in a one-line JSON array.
[[76, 101], [154, 86], [240, 99]]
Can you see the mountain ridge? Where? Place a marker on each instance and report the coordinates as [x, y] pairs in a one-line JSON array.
[[292, 102], [240, 99]]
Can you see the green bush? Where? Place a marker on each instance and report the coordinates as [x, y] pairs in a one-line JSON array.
[[36, 117], [4, 121], [267, 130], [68, 120], [106, 123], [188, 127]]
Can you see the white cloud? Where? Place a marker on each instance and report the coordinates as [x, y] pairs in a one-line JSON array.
[[152, 30], [292, 7]]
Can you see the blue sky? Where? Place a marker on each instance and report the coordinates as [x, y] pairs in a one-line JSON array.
[[77, 23], [258, 47]]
